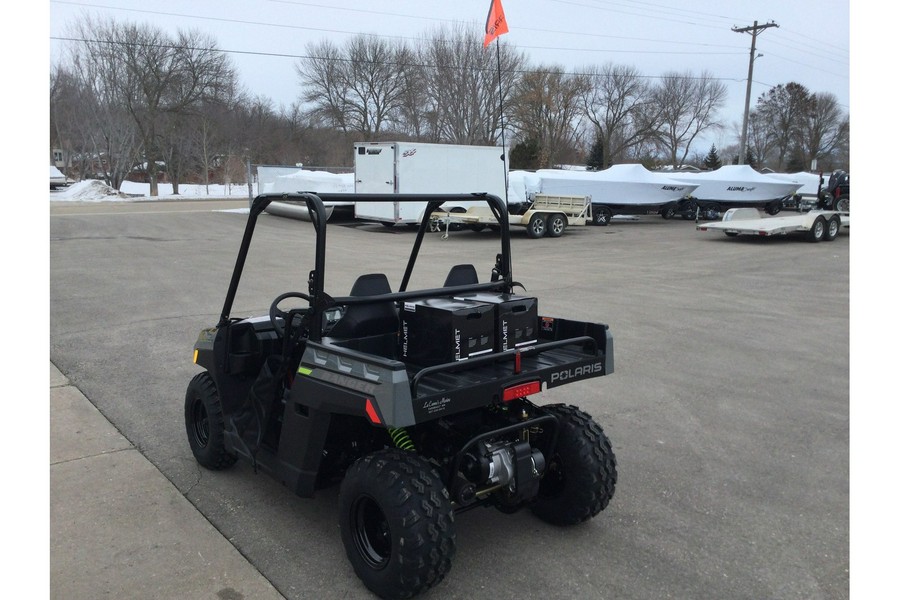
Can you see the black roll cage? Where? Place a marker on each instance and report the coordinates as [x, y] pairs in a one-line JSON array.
[[501, 277]]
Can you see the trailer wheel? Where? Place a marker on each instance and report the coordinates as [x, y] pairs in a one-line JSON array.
[[710, 211], [832, 228], [205, 424], [580, 479], [816, 233], [842, 205], [601, 215], [774, 207], [396, 523], [557, 225], [689, 210], [667, 212], [537, 226]]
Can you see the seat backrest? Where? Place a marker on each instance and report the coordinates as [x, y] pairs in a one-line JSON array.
[[361, 320], [461, 275]]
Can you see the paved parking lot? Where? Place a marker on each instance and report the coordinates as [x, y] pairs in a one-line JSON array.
[[728, 409]]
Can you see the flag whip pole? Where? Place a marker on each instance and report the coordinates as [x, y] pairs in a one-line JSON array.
[[502, 130]]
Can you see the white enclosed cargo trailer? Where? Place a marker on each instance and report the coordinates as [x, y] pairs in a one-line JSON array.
[[817, 225], [418, 168]]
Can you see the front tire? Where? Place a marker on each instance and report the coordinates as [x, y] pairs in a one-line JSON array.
[[205, 424], [580, 479], [396, 523]]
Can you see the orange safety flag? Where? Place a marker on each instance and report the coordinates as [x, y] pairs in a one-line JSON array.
[[496, 23]]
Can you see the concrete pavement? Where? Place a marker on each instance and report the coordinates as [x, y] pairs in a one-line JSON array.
[[119, 528]]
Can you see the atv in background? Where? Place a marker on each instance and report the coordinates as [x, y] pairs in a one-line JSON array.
[[418, 402], [836, 195]]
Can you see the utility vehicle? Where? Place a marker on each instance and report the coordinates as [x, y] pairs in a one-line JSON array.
[[416, 401]]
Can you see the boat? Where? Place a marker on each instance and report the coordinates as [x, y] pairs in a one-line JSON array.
[[277, 180], [737, 186], [627, 189], [807, 196]]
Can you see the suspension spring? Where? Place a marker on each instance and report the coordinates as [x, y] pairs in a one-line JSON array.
[[401, 439]]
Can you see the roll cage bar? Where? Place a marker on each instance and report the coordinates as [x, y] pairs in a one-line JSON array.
[[501, 276]]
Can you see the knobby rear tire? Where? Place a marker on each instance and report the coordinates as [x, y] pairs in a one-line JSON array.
[[396, 523]]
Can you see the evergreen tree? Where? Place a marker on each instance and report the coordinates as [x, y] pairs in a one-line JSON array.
[[712, 161], [525, 155], [595, 158], [751, 158]]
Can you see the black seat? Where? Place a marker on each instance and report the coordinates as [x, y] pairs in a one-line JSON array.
[[461, 275], [361, 320]]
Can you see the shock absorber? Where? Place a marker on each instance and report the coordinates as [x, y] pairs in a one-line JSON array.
[[401, 439]]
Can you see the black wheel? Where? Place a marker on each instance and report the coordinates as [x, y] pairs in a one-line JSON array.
[[731, 233], [434, 226], [601, 215], [709, 211], [396, 523], [832, 228], [537, 226], [667, 212], [205, 425], [816, 233], [556, 225], [388, 224], [580, 479], [842, 204], [689, 210], [773, 208]]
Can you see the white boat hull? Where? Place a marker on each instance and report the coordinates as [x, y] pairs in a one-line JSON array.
[[736, 186], [294, 210], [618, 186]]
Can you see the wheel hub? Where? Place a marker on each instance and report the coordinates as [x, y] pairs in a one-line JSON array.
[[371, 533]]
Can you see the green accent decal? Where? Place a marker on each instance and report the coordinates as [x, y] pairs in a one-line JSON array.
[[304, 370]]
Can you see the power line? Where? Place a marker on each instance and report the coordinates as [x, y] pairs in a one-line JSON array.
[[341, 59]]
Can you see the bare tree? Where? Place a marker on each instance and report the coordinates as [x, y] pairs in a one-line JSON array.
[[547, 107], [462, 85], [90, 113], [359, 88], [151, 75], [760, 138], [783, 109], [823, 129], [617, 101], [688, 106]]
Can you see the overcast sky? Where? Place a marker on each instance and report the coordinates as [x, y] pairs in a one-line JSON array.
[[265, 38]]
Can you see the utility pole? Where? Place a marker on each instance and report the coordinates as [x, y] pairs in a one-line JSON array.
[[753, 31]]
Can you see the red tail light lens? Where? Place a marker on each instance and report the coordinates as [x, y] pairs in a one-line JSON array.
[[521, 390]]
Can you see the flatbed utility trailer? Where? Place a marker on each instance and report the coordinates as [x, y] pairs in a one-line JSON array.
[[816, 225], [548, 215], [418, 402]]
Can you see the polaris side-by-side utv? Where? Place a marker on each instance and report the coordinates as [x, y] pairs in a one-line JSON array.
[[416, 401]]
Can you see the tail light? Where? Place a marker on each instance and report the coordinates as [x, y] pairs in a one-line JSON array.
[[521, 390]]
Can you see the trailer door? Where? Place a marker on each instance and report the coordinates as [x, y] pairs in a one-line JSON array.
[[374, 168]]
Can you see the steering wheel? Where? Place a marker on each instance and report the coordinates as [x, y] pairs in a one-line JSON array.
[[278, 316]]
